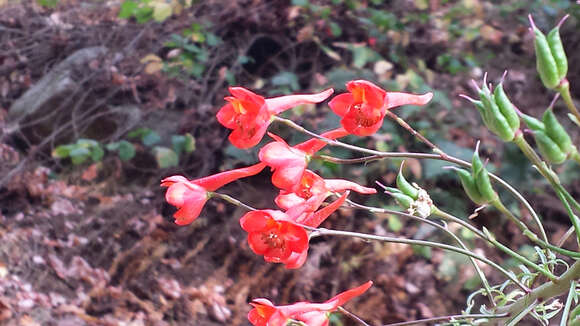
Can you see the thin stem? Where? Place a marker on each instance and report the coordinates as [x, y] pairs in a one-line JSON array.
[[565, 236], [232, 200], [494, 242], [552, 179], [322, 232], [573, 217], [544, 292], [564, 90], [501, 207], [413, 132], [353, 316], [376, 155], [514, 321], [436, 225], [566, 312], [448, 159], [446, 318]]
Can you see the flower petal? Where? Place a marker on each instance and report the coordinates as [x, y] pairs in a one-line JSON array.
[[227, 116], [279, 104], [364, 91], [395, 99], [216, 181], [341, 103]]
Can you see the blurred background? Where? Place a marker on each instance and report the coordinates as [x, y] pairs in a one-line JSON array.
[[99, 100]]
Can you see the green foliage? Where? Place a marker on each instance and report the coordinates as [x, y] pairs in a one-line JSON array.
[[146, 10], [125, 149], [193, 48], [80, 151], [84, 149], [48, 3]]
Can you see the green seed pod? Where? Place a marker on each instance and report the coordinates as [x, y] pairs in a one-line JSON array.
[[550, 151], [392, 190], [405, 187], [403, 200], [500, 125], [506, 107], [556, 132], [558, 53], [469, 186], [533, 123], [481, 179], [545, 62]]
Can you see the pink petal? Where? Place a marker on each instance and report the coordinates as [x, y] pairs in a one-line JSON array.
[[339, 185], [282, 103], [395, 99]]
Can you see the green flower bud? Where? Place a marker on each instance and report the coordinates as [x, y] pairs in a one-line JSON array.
[[551, 61], [405, 187], [497, 119]]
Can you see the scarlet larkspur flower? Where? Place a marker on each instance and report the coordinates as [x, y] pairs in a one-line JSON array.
[[274, 235], [288, 162], [364, 107], [278, 236], [249, 114], [189, 196], [265, 313], [313, 190]]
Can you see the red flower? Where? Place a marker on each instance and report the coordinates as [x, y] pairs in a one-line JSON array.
[[313, 189], [265, 313], [275, 236], [364, 108], [249, 114], [278, 237], [288, 162], [190, 195]]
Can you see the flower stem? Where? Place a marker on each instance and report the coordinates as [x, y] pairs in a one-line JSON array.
[[566, 312], [413, 132], [542, 293], [552, 179], [494, 242], [440, 156], [446, 318], [441, 227], [353, 316], [232, 200], [564, 90], [510, 276]]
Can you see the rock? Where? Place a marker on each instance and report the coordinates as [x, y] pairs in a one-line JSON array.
[[58, 83]]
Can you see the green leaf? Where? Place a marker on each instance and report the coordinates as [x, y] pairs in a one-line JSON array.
[[286, 78], [165, 157], [162, 11], [128, 8], [178, 143], [395, 224], [79, 154], [126, 150], [114, 146], [97, 153], [150, 138], [62, 151]]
